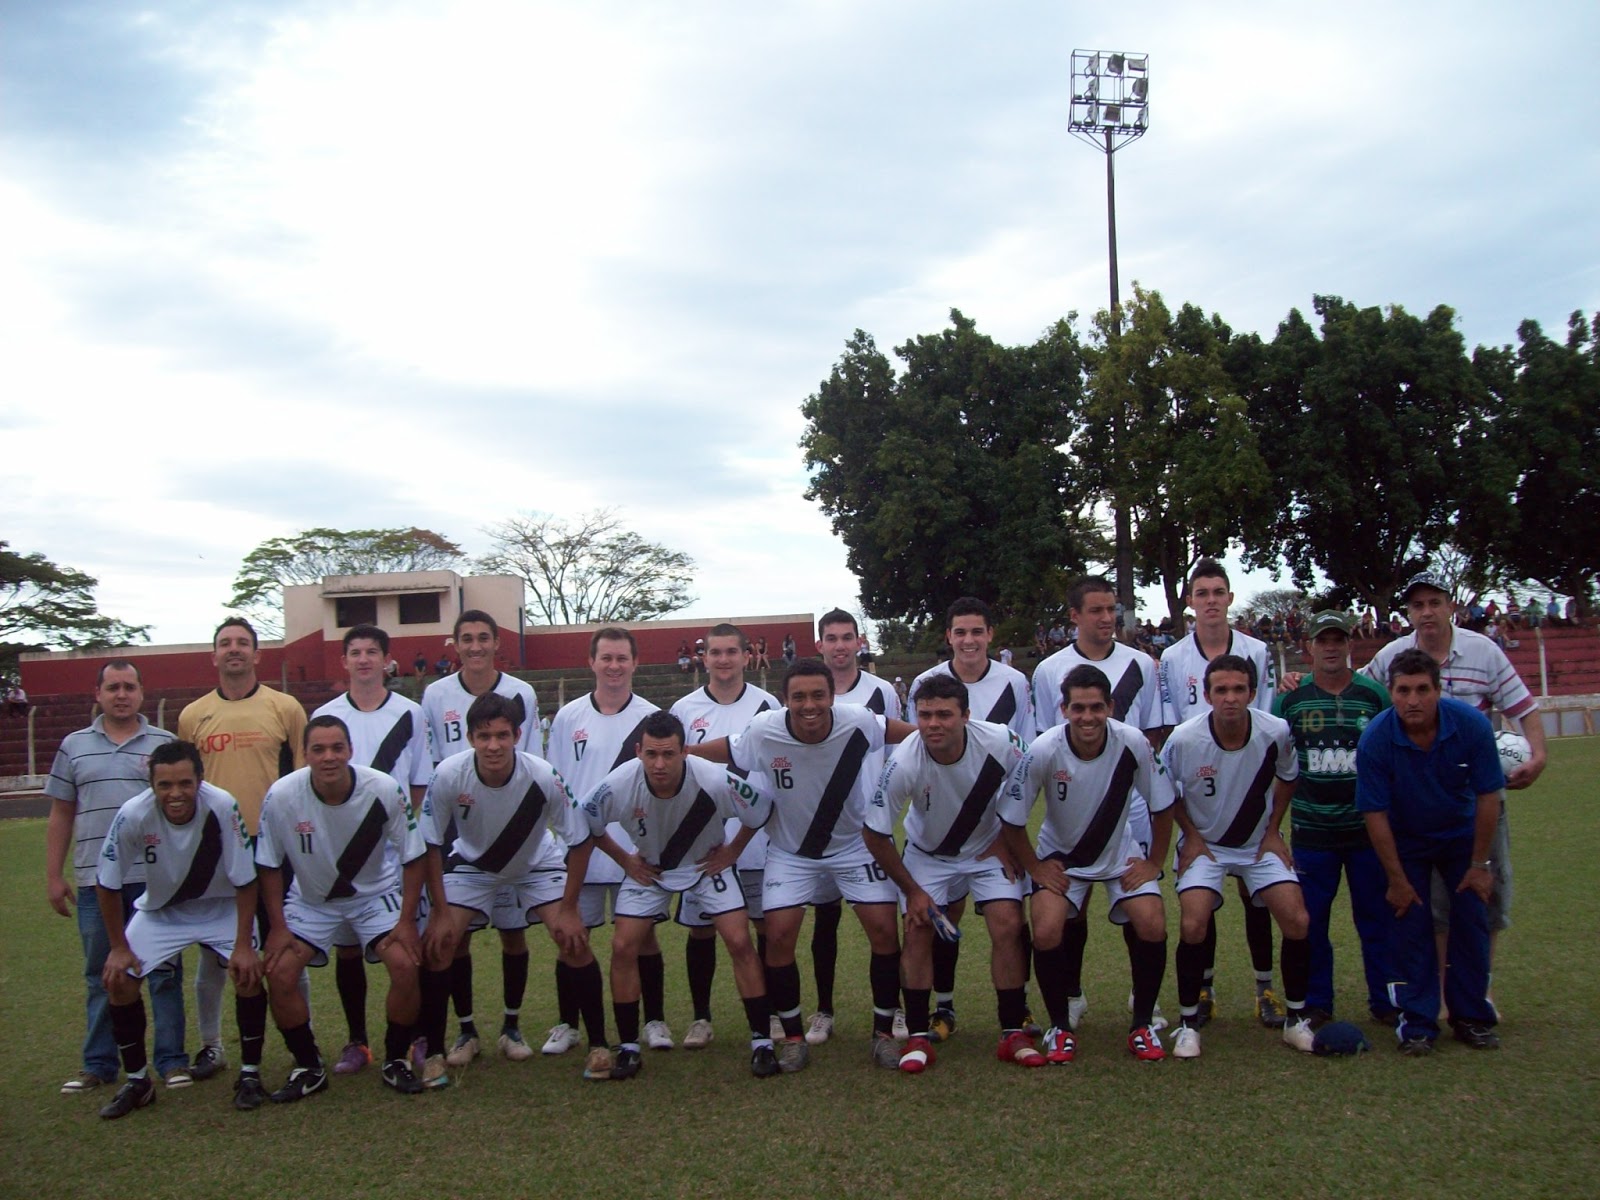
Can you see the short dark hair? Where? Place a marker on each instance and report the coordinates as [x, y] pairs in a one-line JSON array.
[[612, 633], [1231, 662], [475, 616], [491, 706], [1414, 662], [170, 753], [1085, 586], [968, 606], [662, 724], [1085, 675], [837, 616], [725, 629], [116, 664], [240, 622], [325, 721], [941, 687], [370, 632], [803, 667], [1208, 568]]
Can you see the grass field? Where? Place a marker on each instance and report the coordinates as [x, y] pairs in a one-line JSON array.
[[1251, 1117]]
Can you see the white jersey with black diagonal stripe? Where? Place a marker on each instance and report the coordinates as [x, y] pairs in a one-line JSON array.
[[820, 791], [1228, 793], [1182, 672], [951, 811], [445, 703], [339, 851], [392, 738], [1000, 697], [206, 858], [1133, 675], [1088, 802], [705, 720], [585, 746], [873, 694], [499, 830], [676, 832]]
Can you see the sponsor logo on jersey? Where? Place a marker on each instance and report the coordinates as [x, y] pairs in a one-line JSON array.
[[465, 800], [1063, 776], [1332, 761], [581, 735], [699, 723], [304, 827], [781, 763], [1207, 772], [639, 814], [151, 839], [1194, 681], [451, 714]]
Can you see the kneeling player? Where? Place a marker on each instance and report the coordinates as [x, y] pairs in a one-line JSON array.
[[951, 772], [200, 889], [673, 808], [351, 840], [1221, 764], [1089, 770]]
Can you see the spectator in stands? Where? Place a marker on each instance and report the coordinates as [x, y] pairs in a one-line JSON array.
[[16, 700], [419, 665], [761, 654], [1369, 623], [1552, 611], [900, 691], [442, 667], [1040, 641], [1005, 655], [1572, 610], [685, 661], [1513, 614], [789, 654]]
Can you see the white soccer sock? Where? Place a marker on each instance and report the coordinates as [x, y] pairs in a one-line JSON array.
[[209, 982]]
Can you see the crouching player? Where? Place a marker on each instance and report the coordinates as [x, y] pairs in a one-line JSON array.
[[350, 839], [1089, 771], [947, 778], [674, 808], [200, 889]]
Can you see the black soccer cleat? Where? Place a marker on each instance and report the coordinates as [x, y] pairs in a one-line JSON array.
[[303, 1081], [629, 1063], [1479, 1037], [136, 1093], [397, 1073], [764, 1062], [248, 1092]]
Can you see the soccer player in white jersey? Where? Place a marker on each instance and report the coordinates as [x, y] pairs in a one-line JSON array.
[[200, 889], [721, 709], [1091, 770], [1222, 765], [590, 737], [1182, 674], [445, 703], [815, 754], [674, 808], [514, 822], [387, 733], [947, 778], [350, 837]]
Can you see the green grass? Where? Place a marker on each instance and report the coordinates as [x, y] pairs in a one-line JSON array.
[[1249, 1118]]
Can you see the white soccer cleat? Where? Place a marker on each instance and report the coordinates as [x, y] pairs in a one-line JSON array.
[[657, 1036], [899, 1029], [1077, 1010], [699, 1035], [562, 1038], [1187, 1043], [1300, 1035], [820, 1028]]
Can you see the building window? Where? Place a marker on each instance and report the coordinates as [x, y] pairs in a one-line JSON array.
[[355, 610], [420, 608]]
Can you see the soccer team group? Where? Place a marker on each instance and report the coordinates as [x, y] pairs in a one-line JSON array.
[[385, 832]]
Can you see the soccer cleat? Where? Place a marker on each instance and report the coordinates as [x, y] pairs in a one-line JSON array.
[[1077, 1009], [353, 1058], [917, 1056], [302, 1082], [657, 1036], [83, 1081], [208, 1062], [1145, 1045], [885, 1051], [178, 1077], [464, 1051], [764, 1061], [1479, 1037], [1299, 1034], [899, 1029], [699, 1035], [775, 1029], [628, 1063], [1416, 1047], [1157, 1021], [1269, 1009], [1017, 1047], [248, 1092], [513, 1046], [435, 1072], [136, 1093], [1029, 1026], [1060, 1047], [793, 1055], [1187, 1043], [597, 1066], [943, 1026], [397, 1073], [1207, 1007], [561, 1038], [820, 1028]]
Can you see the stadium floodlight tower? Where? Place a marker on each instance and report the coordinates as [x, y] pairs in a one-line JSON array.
[[1110, 108]]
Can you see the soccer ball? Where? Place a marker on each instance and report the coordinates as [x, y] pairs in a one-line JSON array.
[[1514, 750]]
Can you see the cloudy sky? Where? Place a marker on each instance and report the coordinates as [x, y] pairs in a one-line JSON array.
[[268, 266]]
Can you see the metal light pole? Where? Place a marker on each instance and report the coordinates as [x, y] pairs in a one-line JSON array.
[[1110, 108]]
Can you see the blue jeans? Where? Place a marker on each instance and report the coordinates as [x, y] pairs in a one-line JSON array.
[[166, 994], [1319, 872]]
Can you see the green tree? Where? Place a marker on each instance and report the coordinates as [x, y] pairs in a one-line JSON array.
[[307, 556], [590, 569], [44, 606]]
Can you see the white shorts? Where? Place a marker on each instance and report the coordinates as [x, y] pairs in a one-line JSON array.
[[947, 879], [693, 916], [792, 881], [592, 903], [163, 933], [706, 898], [1241, 862], [354, 921], [468, 887], [509, 913]]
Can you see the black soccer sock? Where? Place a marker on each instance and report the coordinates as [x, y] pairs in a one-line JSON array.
[[127, 1026], [825, 950], [1191, 964], [350, 974], [396, 1042], [653, 986], [251, 1013], [1258, 932], [884, 973], [461, 994], [1027, 958], [761, 947], [566, 996], [918, 1003], [1148, 961], [783, 989], [303, 1045], [514, 977], [1296, 965], [626, 1015], [589, 992], [435, 1008], [700, 960], [945, 957], [1050, 969], [1208, 965], [1074, 938], [758, 1015], [1011, 1005]]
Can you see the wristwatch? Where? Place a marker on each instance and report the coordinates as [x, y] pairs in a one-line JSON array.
[[1485, 865]]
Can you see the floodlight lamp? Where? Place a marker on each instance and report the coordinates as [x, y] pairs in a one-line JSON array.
[[1141, 87], [1091, 89], [1142, 121], [1093, 68], [1113, 114], [1138, 63], [1114, 64]]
